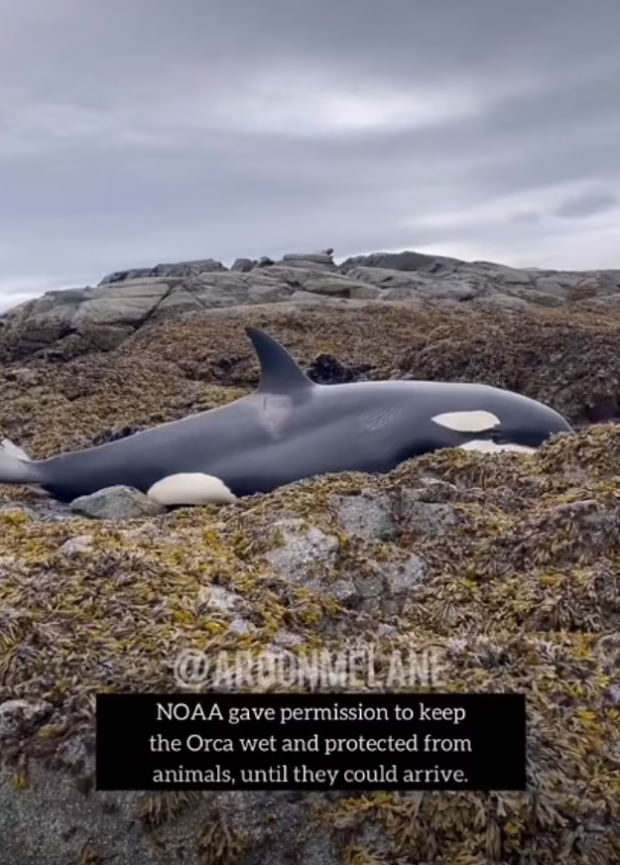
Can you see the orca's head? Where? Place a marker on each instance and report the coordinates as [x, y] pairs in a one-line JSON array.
[[518, 432]]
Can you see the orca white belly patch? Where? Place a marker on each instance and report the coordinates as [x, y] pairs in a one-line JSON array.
[[493, 448]]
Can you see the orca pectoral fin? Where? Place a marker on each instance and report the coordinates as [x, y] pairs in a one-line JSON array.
[[191, 488]]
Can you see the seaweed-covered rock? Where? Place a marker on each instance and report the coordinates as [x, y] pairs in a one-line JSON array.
[[505, 564]]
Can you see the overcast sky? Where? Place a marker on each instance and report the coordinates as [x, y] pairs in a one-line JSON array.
[[134, 132]]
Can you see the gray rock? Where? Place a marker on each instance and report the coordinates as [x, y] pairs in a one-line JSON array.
[[308, 298], [241, 626], [17, 510], [400, 580], [392, 261], [18, 716], [397, 285], [418, 514], [23, 376], [306, 556], [103, 317], [612, 694], [56, 806], [183, 268], [532, 295], [386, 585], [301, 546], [243, 265], [117, 503], [320, 261], [131, 302], [603, 302], [310, 257], [287, 640], [220, 599], [269, 293], [367, 516], [76, 546], [365, 292], [46, 509], [334, 285], [501, 272], [548, 285]]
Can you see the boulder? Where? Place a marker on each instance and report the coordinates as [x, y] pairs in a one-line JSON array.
[[183, 268]]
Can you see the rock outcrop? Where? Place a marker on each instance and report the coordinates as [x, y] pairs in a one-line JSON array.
[[184, 268], [102, 317]]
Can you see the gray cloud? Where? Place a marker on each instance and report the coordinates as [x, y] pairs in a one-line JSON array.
[[525, 216], [134, 133], [587, 204]]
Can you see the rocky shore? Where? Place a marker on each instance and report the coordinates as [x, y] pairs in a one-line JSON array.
[[506, 565]]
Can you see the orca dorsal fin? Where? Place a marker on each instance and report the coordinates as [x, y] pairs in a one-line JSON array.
[[279, 372]]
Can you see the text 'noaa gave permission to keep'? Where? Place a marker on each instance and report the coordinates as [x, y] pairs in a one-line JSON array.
[[311, 742]]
